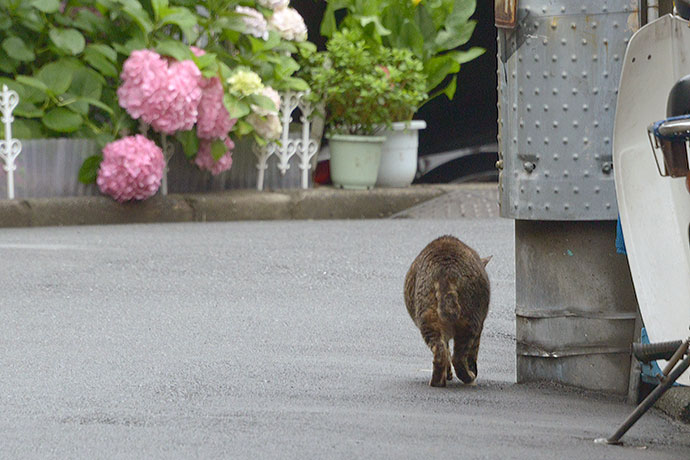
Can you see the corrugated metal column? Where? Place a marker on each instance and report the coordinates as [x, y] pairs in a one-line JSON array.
[[558, 74]]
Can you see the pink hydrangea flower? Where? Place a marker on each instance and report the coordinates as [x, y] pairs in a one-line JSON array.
[[132, 168], [214, 120], [166, 96], [289, 24], [204, 160]]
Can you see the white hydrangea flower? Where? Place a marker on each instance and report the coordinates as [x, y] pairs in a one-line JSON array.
[[270, 127], [289, 24], [254, 21], [274, 4], [272, 95], [245, 82]]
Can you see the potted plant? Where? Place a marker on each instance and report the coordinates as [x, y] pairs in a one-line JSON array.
[[363, 86], [434, 32]]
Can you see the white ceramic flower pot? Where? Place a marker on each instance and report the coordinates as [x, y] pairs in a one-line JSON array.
[[399, 154]]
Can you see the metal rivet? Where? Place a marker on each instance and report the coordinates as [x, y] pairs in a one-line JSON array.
[[529, 140], [563, 9], [537, 124], [606, 74], [586, 205], [529, 107], [607, 140], [528, 74], [536, 91], [555, 190], [586, 173], [565, 107], [554, 58], [529, 167], [596, 124], [573, 25], [584, 41], [575, 124], [608, 205], [555, 124], [565, 140], [585, 107], [545, 75], [564, 41], [566, 206], [546, 207], [555, 157], [585, 140], [573, 58], [616, 57], [595, 90], [538, 189], [536, 58], [576, 190], [545, 42], [546, 174], [514, 107], [574, 91], [546, 140], [565, 173], [606, 107], [514, 74], [554, 91], [543, 9], [575, 156], [564, 74], [606, 167], [594, 24], [595, 58]]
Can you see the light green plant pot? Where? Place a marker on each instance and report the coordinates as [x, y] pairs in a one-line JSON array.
[[355, 160]]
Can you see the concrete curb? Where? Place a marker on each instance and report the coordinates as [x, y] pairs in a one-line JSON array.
[[676, 403], [233, 205]]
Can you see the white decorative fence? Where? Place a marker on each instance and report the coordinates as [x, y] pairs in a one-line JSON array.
[[9, 148], [49, 167], [305, 147]]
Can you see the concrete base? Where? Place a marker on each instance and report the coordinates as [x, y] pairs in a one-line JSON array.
[[576, 307], [676, 403]]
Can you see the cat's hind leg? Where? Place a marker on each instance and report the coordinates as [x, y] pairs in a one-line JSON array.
[[462, 355], [430, 328]]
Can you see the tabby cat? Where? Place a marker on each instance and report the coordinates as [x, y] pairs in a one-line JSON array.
[[447, 296]]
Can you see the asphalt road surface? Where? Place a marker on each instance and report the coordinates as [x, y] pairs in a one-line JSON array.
[[269, 340]]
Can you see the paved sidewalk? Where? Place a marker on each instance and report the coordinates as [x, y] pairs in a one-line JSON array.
[[465, 200], [469, 201]]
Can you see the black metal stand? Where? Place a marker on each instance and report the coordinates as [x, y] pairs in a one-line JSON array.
[[649, 401]]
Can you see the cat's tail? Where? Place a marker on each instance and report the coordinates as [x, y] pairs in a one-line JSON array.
[[448, 305]]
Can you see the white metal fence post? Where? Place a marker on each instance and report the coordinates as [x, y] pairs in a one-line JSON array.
[[304, 147], [9, 148]]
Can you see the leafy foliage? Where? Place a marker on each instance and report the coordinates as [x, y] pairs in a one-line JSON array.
[[432, 29], [64, 58], [364, 86]]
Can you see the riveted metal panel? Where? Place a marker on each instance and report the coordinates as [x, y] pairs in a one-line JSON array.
[[558, 74]]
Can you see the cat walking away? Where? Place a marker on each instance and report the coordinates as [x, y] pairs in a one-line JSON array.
[[447, 296]]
